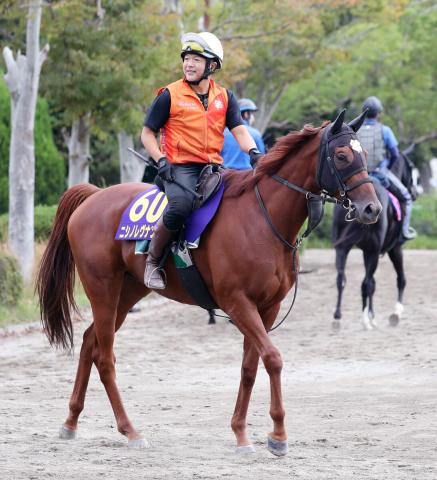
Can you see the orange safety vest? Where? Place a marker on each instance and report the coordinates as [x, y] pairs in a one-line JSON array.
[[191, 133]]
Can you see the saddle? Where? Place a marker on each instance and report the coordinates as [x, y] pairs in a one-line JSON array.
[[208, 184], [210, 180]]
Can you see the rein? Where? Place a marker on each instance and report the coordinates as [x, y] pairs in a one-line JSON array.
[[316, 201], [325, 196]]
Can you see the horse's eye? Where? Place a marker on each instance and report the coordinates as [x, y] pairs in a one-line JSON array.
[[342, 157]]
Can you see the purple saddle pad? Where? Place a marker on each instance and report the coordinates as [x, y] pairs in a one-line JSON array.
[[140, 217]]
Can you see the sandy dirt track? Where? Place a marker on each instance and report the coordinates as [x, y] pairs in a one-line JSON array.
[[360, 404]]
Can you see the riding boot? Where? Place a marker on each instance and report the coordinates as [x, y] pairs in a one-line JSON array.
[[154, 277], [408, 232]]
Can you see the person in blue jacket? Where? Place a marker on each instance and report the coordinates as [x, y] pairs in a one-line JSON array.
[[382, 152], [233, 156]]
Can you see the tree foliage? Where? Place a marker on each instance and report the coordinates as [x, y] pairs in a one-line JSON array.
[[105, 65], [384, 51], [300, 61]]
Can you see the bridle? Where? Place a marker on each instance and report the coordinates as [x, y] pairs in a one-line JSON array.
[[330, 179], [327, 148]]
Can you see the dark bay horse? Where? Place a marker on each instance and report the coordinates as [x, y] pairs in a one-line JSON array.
[[237, 250], [374, 240]]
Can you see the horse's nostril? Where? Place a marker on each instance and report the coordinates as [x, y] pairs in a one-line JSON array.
[[372, 209], [369, 209]]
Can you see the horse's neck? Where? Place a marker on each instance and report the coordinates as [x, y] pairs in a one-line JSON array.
[[287, 207], [402, 171]]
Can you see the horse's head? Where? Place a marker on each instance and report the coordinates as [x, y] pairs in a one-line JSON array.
[[342, 169]]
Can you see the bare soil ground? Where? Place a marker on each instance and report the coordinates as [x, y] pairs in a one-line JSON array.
[[360, 404]]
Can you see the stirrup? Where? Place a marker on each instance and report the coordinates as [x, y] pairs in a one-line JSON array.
[[161, 273], [410, 234]]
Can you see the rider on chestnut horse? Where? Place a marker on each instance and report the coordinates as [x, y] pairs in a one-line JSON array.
[[191, 115]]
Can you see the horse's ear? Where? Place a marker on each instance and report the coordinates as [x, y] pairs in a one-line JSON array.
[[356, 123], [338, 122]]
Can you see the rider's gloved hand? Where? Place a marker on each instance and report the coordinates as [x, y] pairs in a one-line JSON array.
[[254, 155], [165, 170]]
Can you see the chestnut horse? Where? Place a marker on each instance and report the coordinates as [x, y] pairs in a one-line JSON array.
[[238, 243]]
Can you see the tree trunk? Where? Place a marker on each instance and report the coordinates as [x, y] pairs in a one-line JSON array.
[[428, 175], [79, 158], [171, 6], [131, 167], [22, 80], [267, 104]]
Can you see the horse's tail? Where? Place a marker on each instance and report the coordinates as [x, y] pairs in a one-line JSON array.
[[56, 274]]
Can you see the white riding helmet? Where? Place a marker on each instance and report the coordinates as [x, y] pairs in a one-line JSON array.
[[205, 44]]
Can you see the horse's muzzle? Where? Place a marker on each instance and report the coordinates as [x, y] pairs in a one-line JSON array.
[[369, 213]]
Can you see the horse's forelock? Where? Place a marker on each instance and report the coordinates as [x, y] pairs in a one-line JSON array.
[[236, 183]]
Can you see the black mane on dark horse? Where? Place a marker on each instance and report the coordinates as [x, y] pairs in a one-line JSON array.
[[384, 236]]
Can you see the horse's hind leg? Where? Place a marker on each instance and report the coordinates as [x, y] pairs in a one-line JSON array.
[[77, 399], [396, 257], [106, 313], [131, 293]]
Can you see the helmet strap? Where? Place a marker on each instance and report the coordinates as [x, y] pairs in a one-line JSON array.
[[206, 73]]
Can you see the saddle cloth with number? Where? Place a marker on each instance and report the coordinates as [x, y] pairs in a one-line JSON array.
[[140, 217]]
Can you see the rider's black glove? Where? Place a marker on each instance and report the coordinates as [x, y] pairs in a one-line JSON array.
[[254, 155], [165, 170]]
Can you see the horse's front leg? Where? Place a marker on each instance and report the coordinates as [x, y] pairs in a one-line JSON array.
[[249, 368], [340, 263], [368, 289], [396, 258], [277, 439], [247, 318]]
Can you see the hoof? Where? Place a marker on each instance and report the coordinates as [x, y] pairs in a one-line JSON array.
[[138, 444], [366, 326], [277, 447], [336, 325], [374, 323], [395, 317], [365, 319], [393, 320], [67, 433], [245, 449]]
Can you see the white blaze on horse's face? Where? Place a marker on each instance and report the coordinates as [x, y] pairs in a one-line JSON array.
[[356, 145]]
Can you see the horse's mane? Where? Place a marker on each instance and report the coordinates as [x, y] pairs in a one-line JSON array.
[[237, 182]]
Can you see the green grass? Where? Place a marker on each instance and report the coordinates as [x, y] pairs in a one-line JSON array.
[[27, 309], [423, 219], [422, 242]]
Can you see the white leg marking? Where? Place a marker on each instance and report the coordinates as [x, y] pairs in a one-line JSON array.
[[365, 321]]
